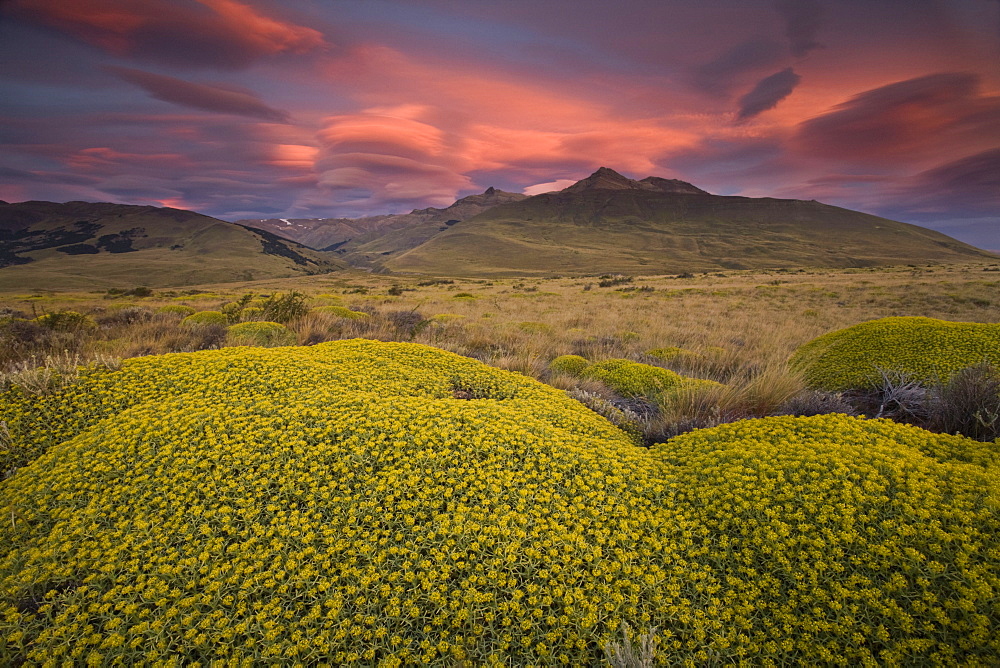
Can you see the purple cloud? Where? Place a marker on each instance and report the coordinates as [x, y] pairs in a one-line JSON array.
[[199, 96], [768, 92]]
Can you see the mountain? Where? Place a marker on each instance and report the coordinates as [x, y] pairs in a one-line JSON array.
[[369, 237], [85, 244], [610, 223]]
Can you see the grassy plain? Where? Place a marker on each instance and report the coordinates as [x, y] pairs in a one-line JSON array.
[[746, 320]]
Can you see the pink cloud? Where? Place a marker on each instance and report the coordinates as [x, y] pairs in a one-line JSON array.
[[218, 33]]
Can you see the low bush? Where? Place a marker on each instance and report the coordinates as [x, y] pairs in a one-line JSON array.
[[259, 333], [202, 318], [925, 350], [177, 309], [343, 312], [66, 321], [633, 379], [569, 364]]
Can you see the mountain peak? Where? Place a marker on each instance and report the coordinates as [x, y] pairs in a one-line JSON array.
[[606, 178], [675, 186]]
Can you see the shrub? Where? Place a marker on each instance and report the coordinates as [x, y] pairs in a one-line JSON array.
[[66, 321], [259, 333], [284, 308], [632, 379], [127, 315], [924, 349], [205, 318], [176, 309], [969, 403], [251, 313], [571, 364], [343, 312]]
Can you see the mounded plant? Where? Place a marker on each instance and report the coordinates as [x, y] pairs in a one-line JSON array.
[[342, 503], [924, 350], [259, 333], [633, 379], [342, 311], [569, 364], [205, 318], [177, 309]]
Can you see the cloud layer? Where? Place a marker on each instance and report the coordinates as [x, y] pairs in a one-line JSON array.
[[241, 108]]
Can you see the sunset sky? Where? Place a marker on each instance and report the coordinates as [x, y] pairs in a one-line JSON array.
[[314, 108]]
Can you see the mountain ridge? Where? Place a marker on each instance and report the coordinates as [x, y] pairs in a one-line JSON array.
[[106, 244]]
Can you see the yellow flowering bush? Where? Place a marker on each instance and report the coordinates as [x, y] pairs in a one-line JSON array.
[[205, 318], [839, 540], [339, 504], [259, 333], [571, 364], [632, 379], [925, 349], [177, 309], [342, 311]]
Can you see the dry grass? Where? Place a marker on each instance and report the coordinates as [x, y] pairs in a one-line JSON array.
[[739, 327]]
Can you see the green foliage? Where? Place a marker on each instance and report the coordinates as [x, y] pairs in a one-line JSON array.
[[570, 364], [251, 313], [259, 333], [924, 349], [343, 312], [66, 321], [633, 379], [205, 318], [179, 309], [338, 503]]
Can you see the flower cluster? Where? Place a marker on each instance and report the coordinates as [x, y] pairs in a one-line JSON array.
[[340, 504], [924, 349]]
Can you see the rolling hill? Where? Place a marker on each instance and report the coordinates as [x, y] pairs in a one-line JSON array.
[[368, 239], [101, 245], [609, 223]]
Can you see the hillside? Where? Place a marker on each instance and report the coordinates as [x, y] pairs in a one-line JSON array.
[[369, 237], [84, 244], [609, 223]]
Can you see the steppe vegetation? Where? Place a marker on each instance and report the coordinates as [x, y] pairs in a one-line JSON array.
[[674, 482]]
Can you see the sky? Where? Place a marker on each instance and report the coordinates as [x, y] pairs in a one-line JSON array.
[[325, 108]]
